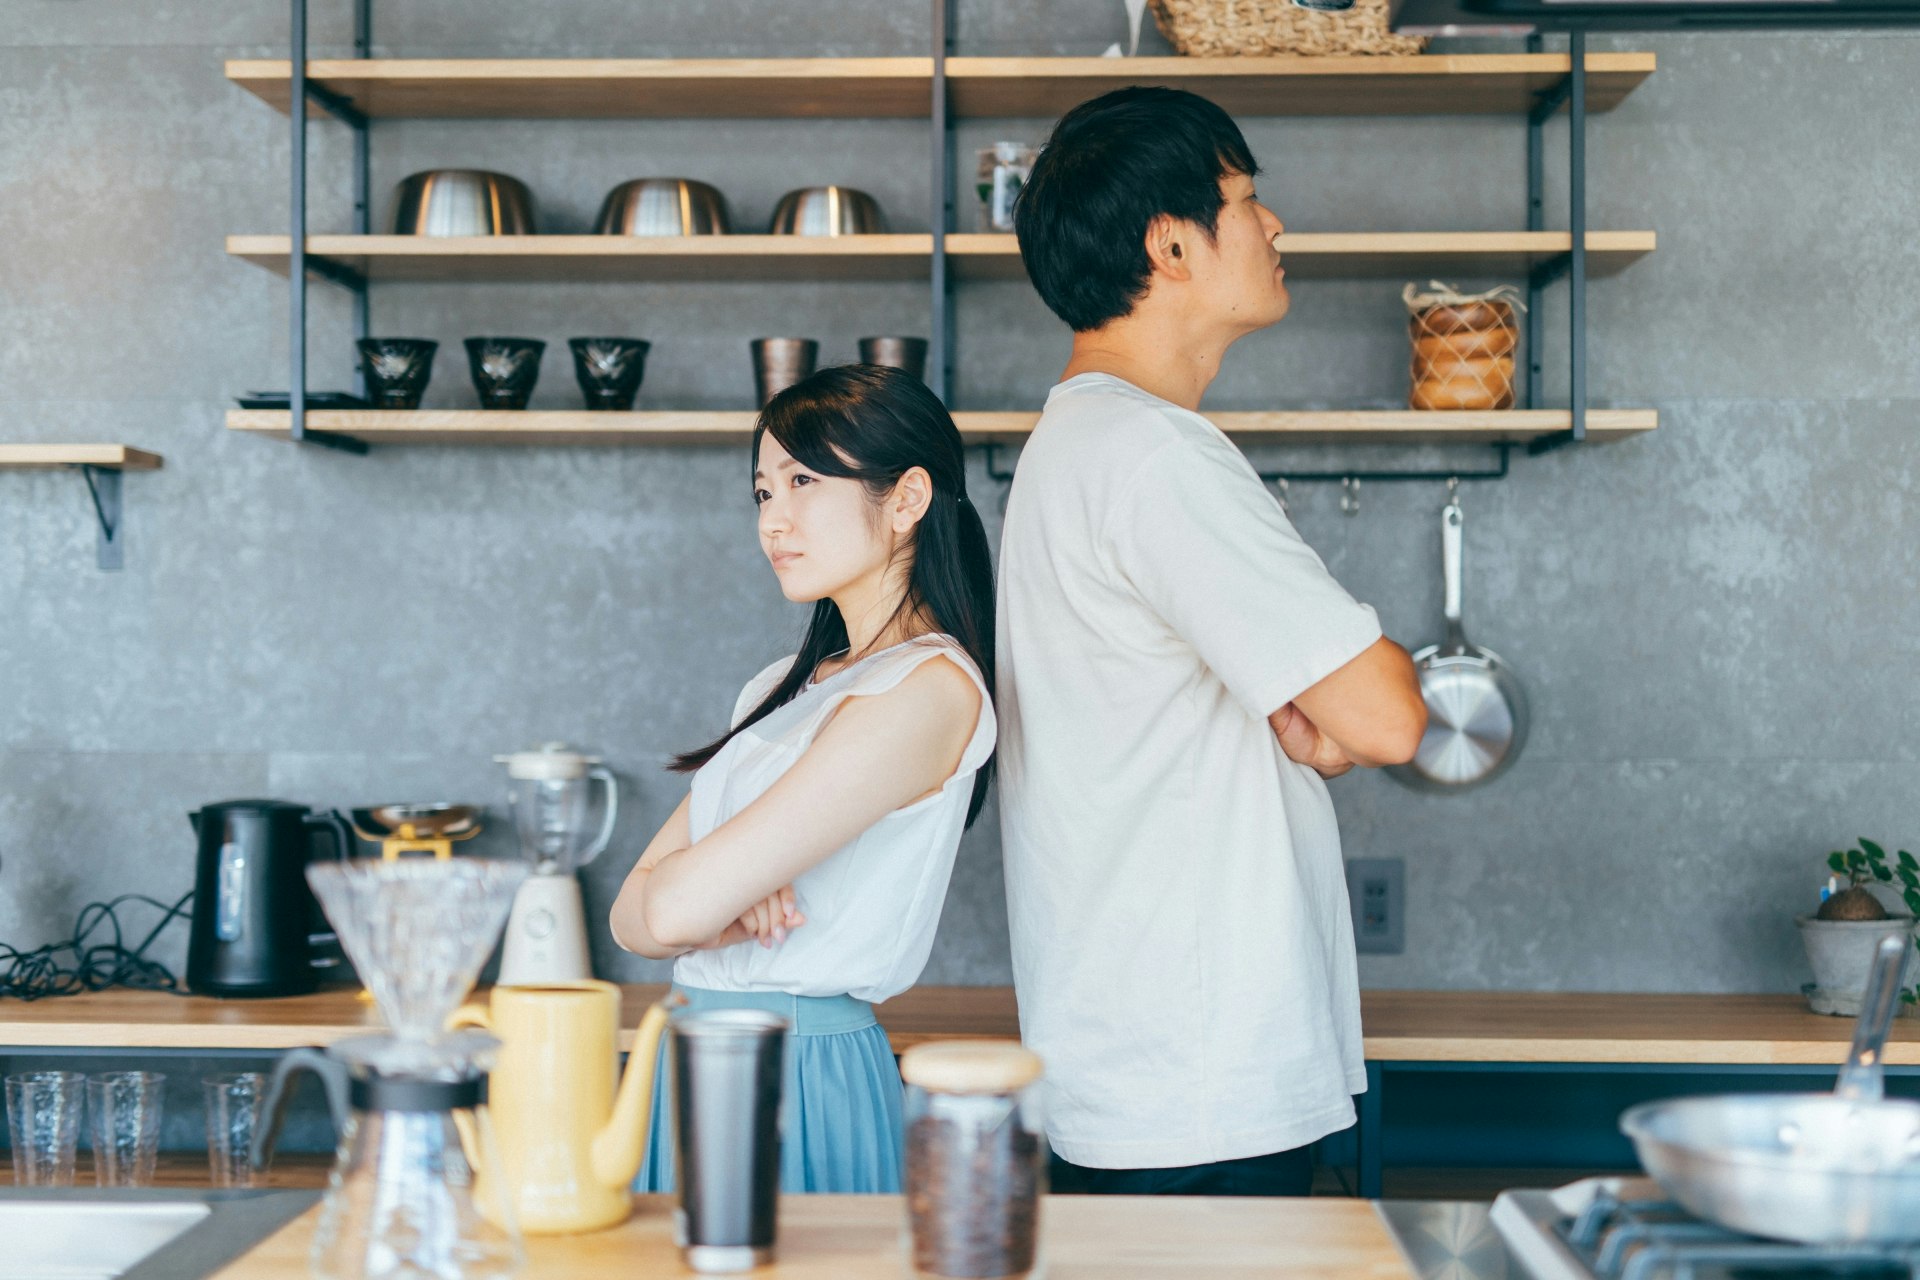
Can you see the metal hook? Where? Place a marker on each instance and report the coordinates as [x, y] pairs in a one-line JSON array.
[[1453, 491], [1350, 496], [1280, 485]]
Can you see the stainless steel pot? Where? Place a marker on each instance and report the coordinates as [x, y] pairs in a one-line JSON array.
[[827, 211], [462, 202], [1476, 709], [663, 207], [1830, 1169]]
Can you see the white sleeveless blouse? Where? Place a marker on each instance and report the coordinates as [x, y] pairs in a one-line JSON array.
[[871, 906]]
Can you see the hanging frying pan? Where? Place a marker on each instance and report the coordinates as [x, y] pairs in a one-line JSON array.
[[1476, 710]]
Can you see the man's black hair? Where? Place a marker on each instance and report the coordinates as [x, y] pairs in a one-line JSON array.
[[1113, 165]]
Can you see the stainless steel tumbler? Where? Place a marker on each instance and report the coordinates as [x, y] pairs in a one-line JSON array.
[[727, 1078]]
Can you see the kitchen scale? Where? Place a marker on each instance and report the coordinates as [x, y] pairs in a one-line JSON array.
[[550, 792], [400, 829]]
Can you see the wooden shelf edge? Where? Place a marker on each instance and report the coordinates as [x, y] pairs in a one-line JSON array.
[[907, 244], [728, 427], [122, 457]]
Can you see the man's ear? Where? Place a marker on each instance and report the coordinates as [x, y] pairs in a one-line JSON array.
[[1168, 248]]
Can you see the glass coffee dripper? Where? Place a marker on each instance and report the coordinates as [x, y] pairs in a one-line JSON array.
[[551, 793], [415, 1192]]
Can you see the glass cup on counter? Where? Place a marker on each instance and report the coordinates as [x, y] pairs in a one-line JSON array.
[[43, 1126], [233, 1104], [123, 1109], [976, 1160]]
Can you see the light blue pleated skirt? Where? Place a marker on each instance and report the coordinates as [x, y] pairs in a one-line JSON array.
[[840, 1110]]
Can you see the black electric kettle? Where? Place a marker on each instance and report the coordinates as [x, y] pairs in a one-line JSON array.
[[254, 918]]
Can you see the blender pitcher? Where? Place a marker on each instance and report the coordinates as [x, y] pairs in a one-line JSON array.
[[550, 791]]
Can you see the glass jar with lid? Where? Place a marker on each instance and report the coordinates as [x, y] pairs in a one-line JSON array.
[[976, 1160]]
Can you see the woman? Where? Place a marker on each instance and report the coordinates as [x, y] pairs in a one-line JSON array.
[[805, 872]]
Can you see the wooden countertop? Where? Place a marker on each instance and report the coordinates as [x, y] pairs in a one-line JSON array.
[[858, 1237], [1401, 1026]]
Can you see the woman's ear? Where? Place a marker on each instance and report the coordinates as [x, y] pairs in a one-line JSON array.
[[912, 495]]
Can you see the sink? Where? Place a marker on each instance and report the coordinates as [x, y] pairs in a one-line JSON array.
[[103, 1234]]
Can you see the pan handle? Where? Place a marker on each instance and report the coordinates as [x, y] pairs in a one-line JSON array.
[[1863, 1078], [1451, 518]]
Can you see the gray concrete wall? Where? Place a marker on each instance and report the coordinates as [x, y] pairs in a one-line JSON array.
[[1713, 623]]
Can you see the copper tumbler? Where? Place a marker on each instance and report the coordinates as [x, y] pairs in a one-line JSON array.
[[778, 363], [906, 354]]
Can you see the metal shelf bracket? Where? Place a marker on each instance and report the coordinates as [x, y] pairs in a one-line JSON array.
[[103, 486]]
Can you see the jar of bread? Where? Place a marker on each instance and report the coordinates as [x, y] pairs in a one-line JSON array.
[[1463, 346]]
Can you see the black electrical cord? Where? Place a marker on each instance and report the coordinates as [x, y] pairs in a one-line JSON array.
[[75, 965]]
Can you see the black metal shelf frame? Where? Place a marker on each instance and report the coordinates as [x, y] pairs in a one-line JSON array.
[[1570, 92]]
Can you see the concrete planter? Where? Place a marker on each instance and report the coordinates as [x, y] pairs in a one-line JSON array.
[[1841, 952]]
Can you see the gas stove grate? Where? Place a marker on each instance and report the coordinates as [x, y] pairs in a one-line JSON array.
[[1631, 1239]]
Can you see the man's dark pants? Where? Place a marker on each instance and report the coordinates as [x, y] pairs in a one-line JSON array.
[[1284, 1173]]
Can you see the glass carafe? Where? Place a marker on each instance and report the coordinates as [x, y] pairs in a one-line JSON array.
[[551, 795]]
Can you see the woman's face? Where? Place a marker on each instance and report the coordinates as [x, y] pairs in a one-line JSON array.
[[821, 533]]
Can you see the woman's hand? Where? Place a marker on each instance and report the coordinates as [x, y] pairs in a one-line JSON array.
[[766, 922], [1303, 743]]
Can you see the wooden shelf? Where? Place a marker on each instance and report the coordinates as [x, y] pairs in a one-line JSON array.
[[1424, 84], [733, 428], [588, 88], [20, 457], [601, 88], [1321, 255], [895, 257], [605, 258]]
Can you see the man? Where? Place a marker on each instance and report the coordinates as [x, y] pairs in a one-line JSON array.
[[1178, 673]]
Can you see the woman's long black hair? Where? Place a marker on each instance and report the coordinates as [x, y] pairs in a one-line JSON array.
[[873, 424]]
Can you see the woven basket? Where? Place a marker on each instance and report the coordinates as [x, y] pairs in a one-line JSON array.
[[1249, 28]]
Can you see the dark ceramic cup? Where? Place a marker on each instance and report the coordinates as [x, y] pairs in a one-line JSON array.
[[908, 354], [778, 363], [610, 370], [504, 370], [397, 370]]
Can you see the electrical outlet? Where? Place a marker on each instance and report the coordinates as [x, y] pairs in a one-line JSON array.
[[1377, 892]]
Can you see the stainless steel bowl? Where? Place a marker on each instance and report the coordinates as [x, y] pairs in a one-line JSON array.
[[462, 202], [663, 207], [827, 211]]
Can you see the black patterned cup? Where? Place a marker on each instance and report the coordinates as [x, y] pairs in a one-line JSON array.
[[609, 370], [397, 370], [504, 370]]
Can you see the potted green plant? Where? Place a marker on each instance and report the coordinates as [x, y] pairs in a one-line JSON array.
[[1841, 936]]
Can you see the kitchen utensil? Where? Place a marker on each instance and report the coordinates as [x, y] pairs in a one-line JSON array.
[[1839, 1168], [43, 1126], [909, 354], [232, 1104], [397, 369], [571, 1135], [255, 922], [778, 363], [550, 793], [401, 829], [1000, 171], [826, 211], [609, 370], [416, 1188], [462, 202], [976, 1163], [1476, 709], [663, 207], [726, 1111], [123, 1113], [504, 370]]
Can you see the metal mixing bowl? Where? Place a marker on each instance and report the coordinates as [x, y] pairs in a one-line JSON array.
[[663, 207], [462, 202], [827, 211]]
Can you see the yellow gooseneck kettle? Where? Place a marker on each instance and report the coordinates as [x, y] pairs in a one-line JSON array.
[[570, 1139]]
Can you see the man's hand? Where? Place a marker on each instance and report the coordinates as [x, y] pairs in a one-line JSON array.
[[1304, 744]]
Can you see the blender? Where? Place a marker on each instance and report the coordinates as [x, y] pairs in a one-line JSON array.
[[550, 791], [416, 1192]]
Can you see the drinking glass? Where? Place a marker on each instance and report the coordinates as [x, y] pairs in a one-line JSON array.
[[124, 1110], [43, 1126], [233, 1113]]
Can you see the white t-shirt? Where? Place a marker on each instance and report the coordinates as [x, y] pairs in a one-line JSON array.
[[1182, 948], [873, 905]]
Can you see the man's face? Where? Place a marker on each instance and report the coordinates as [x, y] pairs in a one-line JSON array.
[[1239, 274]]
